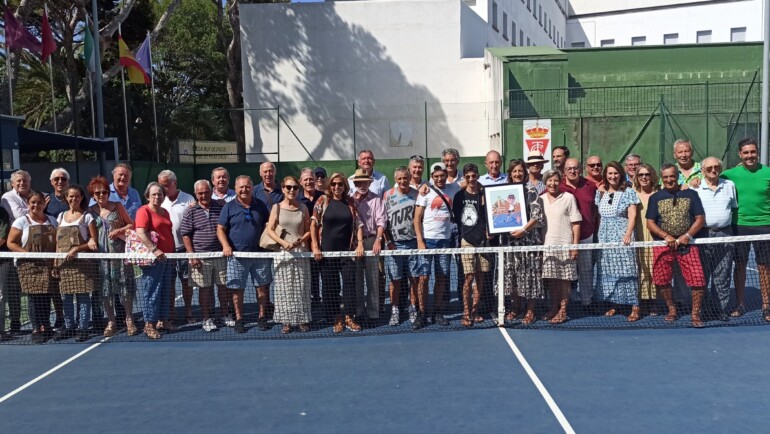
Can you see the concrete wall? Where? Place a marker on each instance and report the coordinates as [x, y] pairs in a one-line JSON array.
[[684, 20], [395, 60]]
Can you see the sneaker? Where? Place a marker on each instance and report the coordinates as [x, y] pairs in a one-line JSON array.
[[63, 334], [394, 320], [238, 326], [228, 321], [417, 323], [412, 313], [82, 336], [440, 320], [262, 324], [208, 325]]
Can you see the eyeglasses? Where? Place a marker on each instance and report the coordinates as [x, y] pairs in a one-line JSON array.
[[572, 169], [612, 196], [291, 187], [60, 179], [643, 175], [714, 168], [594, 165], [101, 193], [417, 158], [471, 176], [337, 184]]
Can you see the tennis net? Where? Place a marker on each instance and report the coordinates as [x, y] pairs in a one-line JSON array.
[[642, 285]]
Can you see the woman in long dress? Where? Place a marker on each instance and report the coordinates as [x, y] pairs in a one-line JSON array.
[[524, 270], [646, 184], [292, 275], [616, 276]]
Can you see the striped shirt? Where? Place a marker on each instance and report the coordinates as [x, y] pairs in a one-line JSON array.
[[201, 226]]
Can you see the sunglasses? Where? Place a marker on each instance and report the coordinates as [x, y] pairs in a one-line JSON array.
[[291, 187], [594, 165], [101, 193], [612, 196], [643, 175], [337, 184], [60, 179], [247, 215], [714, 168]]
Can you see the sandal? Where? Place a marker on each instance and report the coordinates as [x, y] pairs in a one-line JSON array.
[[635, 316], [766, 314], [696, 322], [739, 311], [151, 331], [559, 318], [466, 322], [529, 318], [670, 317], [303, 328], [511, 316], [130, 327], [610, 312], [286, 329], [109, 330]]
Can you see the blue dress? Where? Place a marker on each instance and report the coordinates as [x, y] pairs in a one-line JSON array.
[[617, 272]]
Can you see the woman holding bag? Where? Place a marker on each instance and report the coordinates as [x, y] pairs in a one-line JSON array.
[[157, 278], [289, 226]]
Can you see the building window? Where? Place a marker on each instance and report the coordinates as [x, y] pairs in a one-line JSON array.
[[578, 45], [670, 38], [639, 40], [534, 9], [513, 33], [505, 26], [529, 5], [738, 34], [528, 42], [494, 15], [540, 15], [607, 42], [521, 38], [703, 37]]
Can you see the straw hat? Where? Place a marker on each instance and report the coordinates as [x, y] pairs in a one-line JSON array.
[[360, 175], [535, 157]]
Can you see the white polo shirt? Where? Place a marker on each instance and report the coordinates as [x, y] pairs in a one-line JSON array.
[[176, 210], [718, 204]]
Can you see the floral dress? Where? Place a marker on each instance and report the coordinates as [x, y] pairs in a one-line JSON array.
[[524, 270], [617, 279]]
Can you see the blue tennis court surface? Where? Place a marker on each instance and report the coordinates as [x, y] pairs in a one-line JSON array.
[[676, 380]]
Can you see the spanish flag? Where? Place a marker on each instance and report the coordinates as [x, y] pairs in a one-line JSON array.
[[136, 74]]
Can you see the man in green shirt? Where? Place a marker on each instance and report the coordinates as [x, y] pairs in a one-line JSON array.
[[752, 183]]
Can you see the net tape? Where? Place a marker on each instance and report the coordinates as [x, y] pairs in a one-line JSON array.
[[289, 293]]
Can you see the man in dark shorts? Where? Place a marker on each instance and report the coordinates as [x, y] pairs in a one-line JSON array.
[[676, 216], [752, 183]]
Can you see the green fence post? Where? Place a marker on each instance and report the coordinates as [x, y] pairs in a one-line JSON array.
[[502, 131], [707, 117], [278, 130], [662, 136]]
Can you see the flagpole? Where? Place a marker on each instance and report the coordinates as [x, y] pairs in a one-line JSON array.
[[125, 106], [98, 73], [154, 111], [91, 94], [8, 68], [50, 77]]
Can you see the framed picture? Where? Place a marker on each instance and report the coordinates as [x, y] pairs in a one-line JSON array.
[[506, 207]]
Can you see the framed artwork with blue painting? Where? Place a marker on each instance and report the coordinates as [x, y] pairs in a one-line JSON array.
[[506, 207]]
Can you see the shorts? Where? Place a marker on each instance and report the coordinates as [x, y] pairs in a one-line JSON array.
[[473, 263], [395, 264], [239, 270], [212, 271], [182, 269], [441, 261], [761, 248], [689, 263]]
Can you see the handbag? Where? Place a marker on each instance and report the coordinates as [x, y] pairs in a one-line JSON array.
[[135, 247], [268, 243]]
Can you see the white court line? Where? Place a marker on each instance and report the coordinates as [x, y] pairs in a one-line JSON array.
[[752, 269], [52, 370], [532, 376]]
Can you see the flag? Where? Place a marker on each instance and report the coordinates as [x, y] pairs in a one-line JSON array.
[[144, 55], [49, 44], [88, 49], [136, 74], [17, 36]]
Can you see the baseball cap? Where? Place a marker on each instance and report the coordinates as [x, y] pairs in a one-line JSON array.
[[320, 172], [437, 166]]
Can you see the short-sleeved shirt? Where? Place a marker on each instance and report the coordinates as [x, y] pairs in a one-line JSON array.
[[227, 197], [131, 203], [674, 212], [201, 226], [371, 212], [718, 204], [23, 223], [81, 223], [56, 206], [14, 204], [471, 216], [244, 225], [5, 228], [437, 218], [488, 179], [399, 208], [176, 209], [559, 217], [309, 202], [268, 199], [695, 173], [160, 224], [753, 189], [585, 195]]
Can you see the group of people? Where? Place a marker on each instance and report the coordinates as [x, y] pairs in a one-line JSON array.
[[324, 213]]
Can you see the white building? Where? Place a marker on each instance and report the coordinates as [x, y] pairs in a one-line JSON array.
[[605, 23]]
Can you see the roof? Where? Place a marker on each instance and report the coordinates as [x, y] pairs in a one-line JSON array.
[[509, 52]]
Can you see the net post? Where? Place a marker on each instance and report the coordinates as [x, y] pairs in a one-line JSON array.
[[500, 288]]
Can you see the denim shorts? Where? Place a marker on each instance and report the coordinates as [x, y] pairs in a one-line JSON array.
[[441, 261], [396, 264], [239, 270]]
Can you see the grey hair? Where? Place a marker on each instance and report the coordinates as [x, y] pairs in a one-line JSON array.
[[167, 173], [151, 185], [123, 166], [251, 181], [364, 151], [267, 162], [452, 151], [201, 181], [400, 169], [632, 156], [306, 170], [22, 173], [682, 142], [718, 160], [550, 174], [219, 169], [57, 170]]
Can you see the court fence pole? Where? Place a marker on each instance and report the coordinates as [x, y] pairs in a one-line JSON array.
[[500, 288]]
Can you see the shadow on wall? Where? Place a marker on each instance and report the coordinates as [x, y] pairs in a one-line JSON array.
[[326, 81]]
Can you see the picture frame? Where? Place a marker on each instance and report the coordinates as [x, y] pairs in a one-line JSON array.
[[506, 208]]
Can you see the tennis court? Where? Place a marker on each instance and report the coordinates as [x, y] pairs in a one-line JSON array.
[[675, 380]]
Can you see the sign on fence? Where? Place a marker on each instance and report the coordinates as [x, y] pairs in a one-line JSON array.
[[537, 137], [207, 152]]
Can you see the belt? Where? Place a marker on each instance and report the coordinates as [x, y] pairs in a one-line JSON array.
[[723, 228]]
